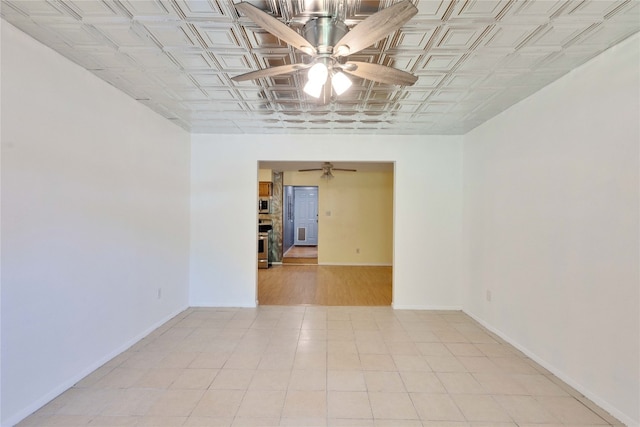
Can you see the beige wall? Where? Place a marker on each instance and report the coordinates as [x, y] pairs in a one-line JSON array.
[[264, 175], [355, 212]]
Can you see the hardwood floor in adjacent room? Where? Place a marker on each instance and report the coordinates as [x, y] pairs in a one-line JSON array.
[[325, 285]]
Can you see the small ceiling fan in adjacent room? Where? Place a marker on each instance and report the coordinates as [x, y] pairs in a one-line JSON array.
[[329, 41], [326, 169]]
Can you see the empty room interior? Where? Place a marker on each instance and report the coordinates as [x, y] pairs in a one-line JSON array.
[[497, 187]]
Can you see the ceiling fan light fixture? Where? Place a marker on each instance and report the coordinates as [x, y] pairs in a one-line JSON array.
[[313, 89], [340, 82], [318, 74], [317, 78]]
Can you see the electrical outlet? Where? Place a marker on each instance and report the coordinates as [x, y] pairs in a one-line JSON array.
[[489, 296], [159, 293]]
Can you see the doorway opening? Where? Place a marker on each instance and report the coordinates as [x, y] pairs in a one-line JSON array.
[[300, 225], [340, 249]]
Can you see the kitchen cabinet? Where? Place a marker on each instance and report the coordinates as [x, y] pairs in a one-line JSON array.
[[264, 189]]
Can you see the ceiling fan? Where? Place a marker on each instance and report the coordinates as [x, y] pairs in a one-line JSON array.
[[326, 170], [329, 42]]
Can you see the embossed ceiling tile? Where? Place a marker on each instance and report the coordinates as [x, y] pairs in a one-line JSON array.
[[289, 109], [537, 11], [463, 81], [441, 62], [220, 94], [234, 63], [377, 107], [205, 79], [629, 13], [415, 95], [402, 62], [524, 60], [184, 94], [592, 8], [365, 57], [354, 94], [192, 60], [482, 61], [535, 81], [150, 58], [609, 34], [137, 78], [285, 81], [566, 60], [466, 106], [260, 39], [90, 10], [220, 36], [34, 8], [263, 106], [415, 38], [76, 34], [482, 94], [199, 9], [505, 36], [473, 58], [558, 35], [347, 110], [252, 94], [436, 107], [480, 9], [366, 8], [274, 59], [124, 34], [147, 9], [284, 94], [446, 95], [408, 107], [226, 107], [384, 94], [173, 79], [107, 58], [434, 10], [459, 38], [85, 61], [429, 80], [171, 34], [499, 79]]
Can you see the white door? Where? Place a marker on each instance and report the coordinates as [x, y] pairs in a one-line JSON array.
[[305, 216]]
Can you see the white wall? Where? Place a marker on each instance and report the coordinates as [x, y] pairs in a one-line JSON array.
[[95, 218], [427, 211], [551, 224]]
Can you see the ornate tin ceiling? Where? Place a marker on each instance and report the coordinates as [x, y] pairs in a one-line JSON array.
[[473, 58]]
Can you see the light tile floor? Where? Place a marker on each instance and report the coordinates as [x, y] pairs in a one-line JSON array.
[[320, 366]]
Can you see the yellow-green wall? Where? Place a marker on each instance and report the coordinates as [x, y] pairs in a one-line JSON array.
[[355, 211]]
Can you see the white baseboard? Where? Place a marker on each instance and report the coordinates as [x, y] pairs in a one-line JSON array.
[[57, 391], [427, 307], [558, 373]]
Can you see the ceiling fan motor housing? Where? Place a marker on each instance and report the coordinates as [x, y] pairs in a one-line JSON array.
[[324, 33]]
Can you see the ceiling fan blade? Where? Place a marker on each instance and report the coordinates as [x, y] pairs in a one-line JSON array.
[[379, 73], [269, 72], [344, 170], [309, 170], [276, 27], [375, 27]]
